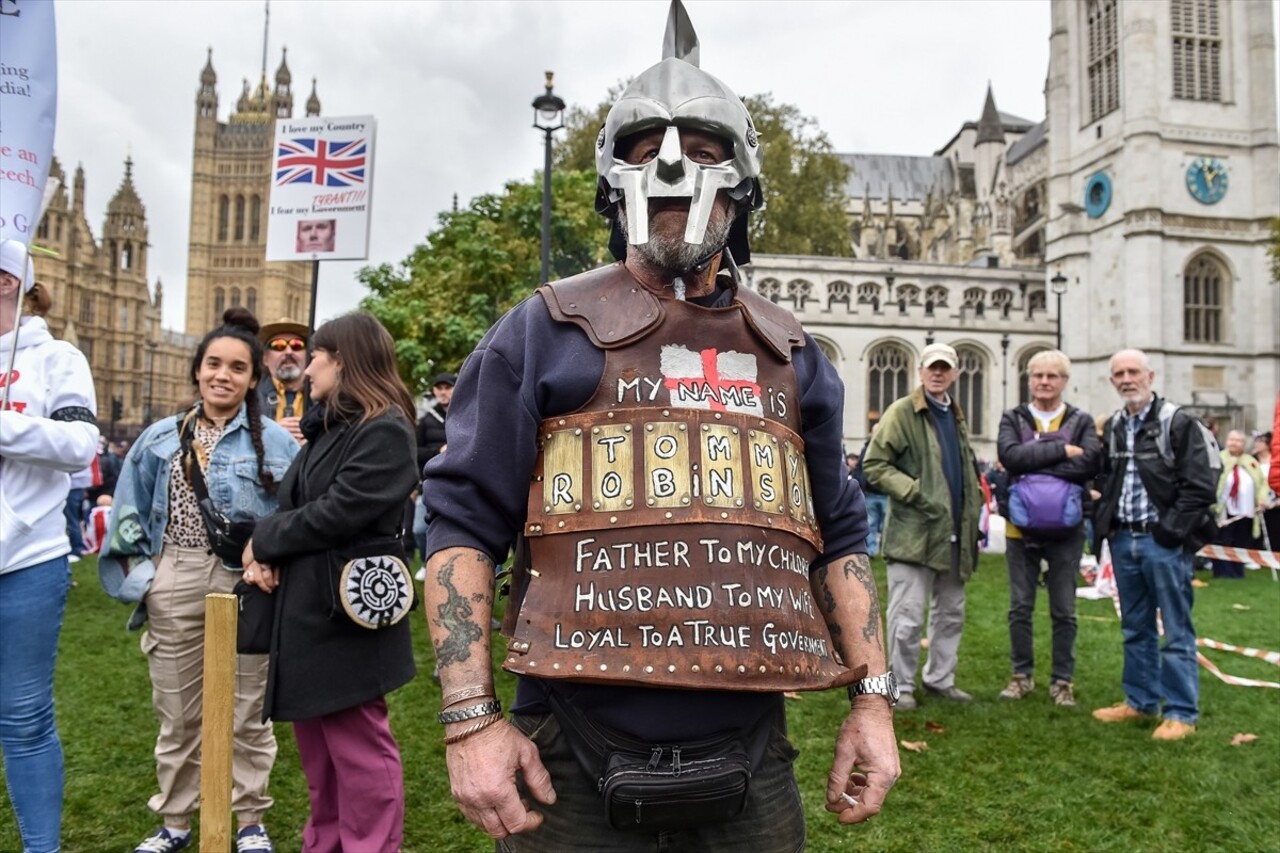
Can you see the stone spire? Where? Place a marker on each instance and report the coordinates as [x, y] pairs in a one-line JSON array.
[[282, 99], [313, 102], [990, 128], [207, 97]]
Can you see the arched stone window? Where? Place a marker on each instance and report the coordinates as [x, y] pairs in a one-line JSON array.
[[1204, 284], [771, 289], [908, 294], [971, 387], [839, 291], [1024, 378], [1035, 302], [936, 295], [239, 218], [975, 300], [1197, 50], [799, 291], [888, 378], [255, 218], [1002, 301], [869, 294], [829, 350], [235, 296], [219, 303], [251, 300], [1102, 46], [126, 256], [224, 215]]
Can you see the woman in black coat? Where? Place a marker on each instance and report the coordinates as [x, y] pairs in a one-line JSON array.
[[342, 498]]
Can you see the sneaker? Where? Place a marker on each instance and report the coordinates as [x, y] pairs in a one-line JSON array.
[[955, 694], [1063, 694], [1122, 713], [254, 838], [1173, 730], [73, 558], [906, 702], [421, 575], [162, 841], [1020, 686]]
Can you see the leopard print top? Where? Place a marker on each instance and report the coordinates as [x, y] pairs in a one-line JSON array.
[[186, 527]]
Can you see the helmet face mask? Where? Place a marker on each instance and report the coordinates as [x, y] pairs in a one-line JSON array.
[[675, 94]]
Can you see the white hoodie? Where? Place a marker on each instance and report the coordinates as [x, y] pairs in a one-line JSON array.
[[48, 432]]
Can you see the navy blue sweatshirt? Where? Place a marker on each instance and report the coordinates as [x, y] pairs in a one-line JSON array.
[[528, 368]]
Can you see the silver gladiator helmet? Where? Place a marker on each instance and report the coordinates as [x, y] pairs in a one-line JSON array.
[[673, 94]]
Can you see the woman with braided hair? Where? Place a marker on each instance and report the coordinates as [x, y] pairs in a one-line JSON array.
[[158, 553]]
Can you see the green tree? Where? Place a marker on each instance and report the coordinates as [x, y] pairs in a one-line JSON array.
[[803, 180], [476, 265]]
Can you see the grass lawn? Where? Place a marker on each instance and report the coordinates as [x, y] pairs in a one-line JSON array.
[[996, 776]]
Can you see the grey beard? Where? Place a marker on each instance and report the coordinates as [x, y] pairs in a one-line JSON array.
[[672, 253], [288, 372]]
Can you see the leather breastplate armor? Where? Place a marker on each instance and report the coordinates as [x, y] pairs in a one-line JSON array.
[[670, 525]]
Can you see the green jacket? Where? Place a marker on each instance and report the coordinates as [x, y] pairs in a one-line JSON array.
[[904, 461]]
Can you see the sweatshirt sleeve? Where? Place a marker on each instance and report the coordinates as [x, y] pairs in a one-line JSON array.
[[66, 439]]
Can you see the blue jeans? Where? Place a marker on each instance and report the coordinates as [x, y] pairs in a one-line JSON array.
[[32, 601], [74, 512], [1151, 576], [877, 510]]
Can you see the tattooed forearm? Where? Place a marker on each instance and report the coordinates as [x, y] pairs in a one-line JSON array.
[[859, 566], [454, 618], [828, 602]]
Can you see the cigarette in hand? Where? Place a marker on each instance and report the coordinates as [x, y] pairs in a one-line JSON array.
[[850, 799]]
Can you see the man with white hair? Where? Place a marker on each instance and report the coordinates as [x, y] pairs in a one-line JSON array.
[[1158, 485], [1051, 451]]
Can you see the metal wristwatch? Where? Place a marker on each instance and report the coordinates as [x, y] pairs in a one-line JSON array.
[[884, 685]]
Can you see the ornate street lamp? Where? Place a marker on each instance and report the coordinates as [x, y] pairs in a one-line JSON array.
[[548, 117], [1058, 284]]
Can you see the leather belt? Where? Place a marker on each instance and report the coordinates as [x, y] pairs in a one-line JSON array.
[[1136, 526]]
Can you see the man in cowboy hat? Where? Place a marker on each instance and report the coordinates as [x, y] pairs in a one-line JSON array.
[[285, 357]]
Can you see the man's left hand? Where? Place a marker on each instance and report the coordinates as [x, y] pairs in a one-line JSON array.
[[866, 762]]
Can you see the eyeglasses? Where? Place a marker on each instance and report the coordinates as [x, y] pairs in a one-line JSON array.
[[294, 344]]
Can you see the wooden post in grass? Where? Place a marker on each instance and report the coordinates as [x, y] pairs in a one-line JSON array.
[[217, 722]]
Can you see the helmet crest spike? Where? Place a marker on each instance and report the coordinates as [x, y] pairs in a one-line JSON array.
[[680, 41]]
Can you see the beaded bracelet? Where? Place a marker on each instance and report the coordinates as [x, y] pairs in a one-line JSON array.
[[484, 709], [472, 729]]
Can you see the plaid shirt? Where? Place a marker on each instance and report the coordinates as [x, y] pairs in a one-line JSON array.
[[1134, 503]]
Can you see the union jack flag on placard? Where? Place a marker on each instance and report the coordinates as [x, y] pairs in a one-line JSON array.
[[320, 162]]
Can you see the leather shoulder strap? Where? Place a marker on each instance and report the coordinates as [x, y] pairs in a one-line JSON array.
[[606, 303], [776, 326]]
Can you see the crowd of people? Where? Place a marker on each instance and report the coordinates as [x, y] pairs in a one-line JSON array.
[[660, 448]]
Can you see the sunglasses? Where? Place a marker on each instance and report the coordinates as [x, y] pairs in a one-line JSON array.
[[293, 344]]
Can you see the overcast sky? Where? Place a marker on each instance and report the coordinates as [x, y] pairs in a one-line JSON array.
[[450, 84]]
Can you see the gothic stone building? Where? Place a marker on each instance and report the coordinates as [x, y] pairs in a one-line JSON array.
[[230, 191], [1136, 212], [102, 304]]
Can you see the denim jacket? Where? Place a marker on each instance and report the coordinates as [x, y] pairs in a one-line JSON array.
[[140, 510]]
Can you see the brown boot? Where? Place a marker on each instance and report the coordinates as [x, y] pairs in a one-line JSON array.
[[1173, 730], [1122, 713]]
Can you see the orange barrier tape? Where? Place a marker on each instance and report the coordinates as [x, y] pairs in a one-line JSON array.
[[1272, 658], [1270, 559]]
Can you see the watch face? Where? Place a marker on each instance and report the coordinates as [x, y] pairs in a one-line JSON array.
[[1207, 180], [1097, 195]]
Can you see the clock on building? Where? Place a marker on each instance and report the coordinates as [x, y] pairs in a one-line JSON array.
[[1207, 180], [1097, 195]]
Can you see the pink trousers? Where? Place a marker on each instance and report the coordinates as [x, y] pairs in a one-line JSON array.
[[355, 780]]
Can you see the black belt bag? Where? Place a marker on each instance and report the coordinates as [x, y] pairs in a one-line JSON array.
[[659, 787]]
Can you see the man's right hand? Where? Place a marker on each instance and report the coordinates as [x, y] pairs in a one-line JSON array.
[[1074, 450], [482, 774]]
